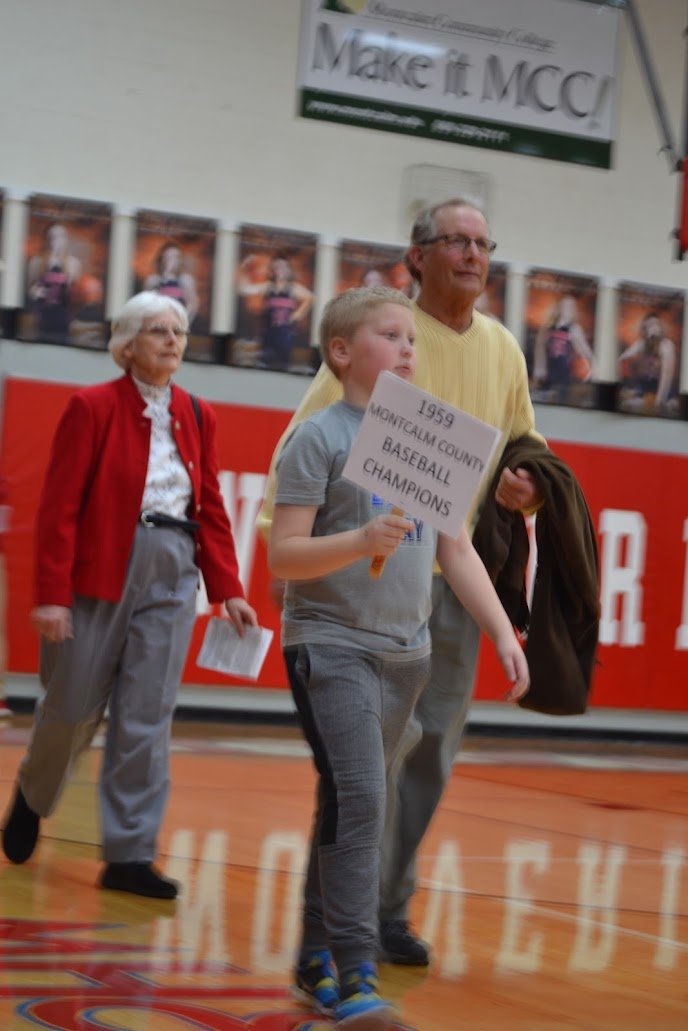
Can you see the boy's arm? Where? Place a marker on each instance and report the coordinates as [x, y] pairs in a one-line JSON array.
[[469, 580], [293, 554], [324, 390]]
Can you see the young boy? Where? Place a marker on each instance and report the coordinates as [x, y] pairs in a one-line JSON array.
[[357, 650]]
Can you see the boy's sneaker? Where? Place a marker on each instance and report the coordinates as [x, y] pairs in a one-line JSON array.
[[399, 945], [316, 982], [361, 1005], [5, 711]]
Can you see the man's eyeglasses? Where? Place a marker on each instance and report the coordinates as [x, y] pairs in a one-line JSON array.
[[460, 242], [164, 331]]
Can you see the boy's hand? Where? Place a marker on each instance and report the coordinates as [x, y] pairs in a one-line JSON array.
[[383, 535], [515, 665]]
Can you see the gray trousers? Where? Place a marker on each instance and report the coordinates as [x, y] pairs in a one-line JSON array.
[[130, 654], [353, 709], [423, 762]]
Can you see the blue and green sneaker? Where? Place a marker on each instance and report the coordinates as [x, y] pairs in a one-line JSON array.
[[361, 1005], [316, 982]]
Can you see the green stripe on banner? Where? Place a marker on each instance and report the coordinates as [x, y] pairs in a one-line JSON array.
[[440, 125]]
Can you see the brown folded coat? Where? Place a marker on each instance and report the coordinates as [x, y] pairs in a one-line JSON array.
[[563, 622]]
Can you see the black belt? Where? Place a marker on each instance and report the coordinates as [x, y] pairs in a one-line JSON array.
[[160, 519]]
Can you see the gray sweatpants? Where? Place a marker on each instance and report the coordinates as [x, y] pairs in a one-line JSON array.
[[424, 759], [353, 710], [131, 654]]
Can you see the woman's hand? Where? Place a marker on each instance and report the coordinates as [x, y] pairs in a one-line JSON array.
[[54, 622], [241, 614]]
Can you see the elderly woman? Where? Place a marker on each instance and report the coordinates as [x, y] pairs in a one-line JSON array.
[[130, 510]]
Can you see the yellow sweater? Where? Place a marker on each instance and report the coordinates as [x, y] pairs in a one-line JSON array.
[[481, 371]]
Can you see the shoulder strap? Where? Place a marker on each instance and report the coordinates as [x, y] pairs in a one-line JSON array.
[[197, 411]]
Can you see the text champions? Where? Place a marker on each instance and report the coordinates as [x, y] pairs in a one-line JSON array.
[[416, 487]]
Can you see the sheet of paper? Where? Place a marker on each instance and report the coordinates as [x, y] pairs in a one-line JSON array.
[[223, 650]]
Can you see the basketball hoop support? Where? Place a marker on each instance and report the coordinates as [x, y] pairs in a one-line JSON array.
[[676, 162]]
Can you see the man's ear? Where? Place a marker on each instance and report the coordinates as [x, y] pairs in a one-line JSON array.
[[339, 353], [414, 257]]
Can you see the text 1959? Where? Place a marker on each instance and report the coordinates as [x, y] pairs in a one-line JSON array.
[[436, 413]]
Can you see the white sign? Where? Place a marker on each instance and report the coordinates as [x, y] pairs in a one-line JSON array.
[[531, 76], [419, 454]]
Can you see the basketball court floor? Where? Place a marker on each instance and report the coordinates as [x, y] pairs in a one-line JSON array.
[[553, 890]]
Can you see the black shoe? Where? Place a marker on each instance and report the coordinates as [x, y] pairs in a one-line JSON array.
[[20, 833], [399, 945], [139, 879]]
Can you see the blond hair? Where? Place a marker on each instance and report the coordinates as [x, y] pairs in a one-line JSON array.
[[343, 315]]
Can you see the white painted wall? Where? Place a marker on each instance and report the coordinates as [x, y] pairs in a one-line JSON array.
[[190, 107]]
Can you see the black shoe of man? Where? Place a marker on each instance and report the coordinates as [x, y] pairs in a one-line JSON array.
[[138, 879], [20, 833], [399, 945]]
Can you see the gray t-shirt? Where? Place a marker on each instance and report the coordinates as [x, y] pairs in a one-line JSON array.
[[387, 617]]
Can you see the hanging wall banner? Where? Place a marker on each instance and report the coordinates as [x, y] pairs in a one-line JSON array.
[[174, 256], [649, 331], [67, 253], [275, 280], [559, 330], [535, 77]]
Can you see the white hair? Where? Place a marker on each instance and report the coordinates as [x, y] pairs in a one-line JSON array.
[[128, 323]]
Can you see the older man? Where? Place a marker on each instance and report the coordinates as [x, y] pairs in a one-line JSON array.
[[472, 362]]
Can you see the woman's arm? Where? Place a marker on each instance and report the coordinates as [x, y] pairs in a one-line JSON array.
[[580, 343], [667, 369], [631, 351], [304, 295], [245, 286], [64, 488], [540, 355], [188, 284]]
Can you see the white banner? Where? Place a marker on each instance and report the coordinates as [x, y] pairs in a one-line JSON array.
[[530, 76], [420, 454]]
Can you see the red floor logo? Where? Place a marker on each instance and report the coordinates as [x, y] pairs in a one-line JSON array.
[[101, 992]]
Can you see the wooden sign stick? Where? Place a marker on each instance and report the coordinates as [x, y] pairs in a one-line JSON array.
[[378, 563]]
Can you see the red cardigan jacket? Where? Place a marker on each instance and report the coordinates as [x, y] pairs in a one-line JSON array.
[[91, 498]]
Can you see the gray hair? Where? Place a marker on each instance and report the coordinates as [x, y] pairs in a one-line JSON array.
[[425, 225], [344, 314], [128, 323]]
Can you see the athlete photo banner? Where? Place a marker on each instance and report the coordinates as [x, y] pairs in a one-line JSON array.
[[67, 254], [173, 255], [274, 284], [649, 331], [535, 77], [559, 333]]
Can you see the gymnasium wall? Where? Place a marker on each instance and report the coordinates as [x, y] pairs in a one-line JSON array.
[[638, 502]]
